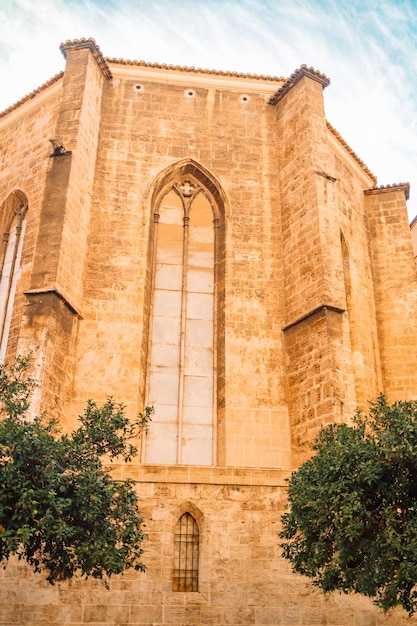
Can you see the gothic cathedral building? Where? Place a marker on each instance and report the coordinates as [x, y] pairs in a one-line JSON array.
[[206, 243]]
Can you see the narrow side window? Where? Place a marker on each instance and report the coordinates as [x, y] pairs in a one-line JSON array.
[[10, 267], [186, 550]]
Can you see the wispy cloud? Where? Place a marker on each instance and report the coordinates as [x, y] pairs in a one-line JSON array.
[[368, 48]]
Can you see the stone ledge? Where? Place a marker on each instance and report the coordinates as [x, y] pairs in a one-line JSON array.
[[195, 474], [33, 293], [405, 187], [318, 309]]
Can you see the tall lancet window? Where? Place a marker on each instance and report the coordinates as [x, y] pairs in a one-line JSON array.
[[181, 378], [10, 267]]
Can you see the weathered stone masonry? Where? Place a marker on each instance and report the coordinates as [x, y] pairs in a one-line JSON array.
[[211, 235]]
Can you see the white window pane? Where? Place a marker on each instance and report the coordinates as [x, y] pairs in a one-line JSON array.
[[199, 333], [166, 330], [163, 389], [168, 276], [167, 303], [199, 415], [200, 279], [199, 306], [199, 361], [161, 444], [198, 391]]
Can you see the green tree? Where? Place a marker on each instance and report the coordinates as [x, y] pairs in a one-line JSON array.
[[352, 519], [60, 508]]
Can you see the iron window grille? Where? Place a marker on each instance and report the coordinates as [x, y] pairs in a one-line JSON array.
[[186, 547]]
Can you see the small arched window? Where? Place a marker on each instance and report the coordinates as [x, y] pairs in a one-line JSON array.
[[186, 554]]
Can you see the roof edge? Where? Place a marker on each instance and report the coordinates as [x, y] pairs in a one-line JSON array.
[[302, 71], [90, 44], [32, 94], [351, 152], [405, 187], [186, 68]]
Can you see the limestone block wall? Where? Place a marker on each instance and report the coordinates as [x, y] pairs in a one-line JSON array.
[[330, 263], [144, 132], [242, 578], [318, 353], [24, 162], [314, 314], [25, 148], [414, 238], [25, 165], [64, 222], [293, 232], [394, 268], [320, 390], [348, 244], [300, 117], [61, 245], [296, 242]]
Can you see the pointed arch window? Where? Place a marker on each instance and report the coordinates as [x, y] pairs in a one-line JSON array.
[[186, 554], [181, 381], [10, 266]]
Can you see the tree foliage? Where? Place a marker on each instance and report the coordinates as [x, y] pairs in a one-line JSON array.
[[352, 521], [60, 508]]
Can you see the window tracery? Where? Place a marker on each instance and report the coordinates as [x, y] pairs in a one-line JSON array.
[[181, 364]]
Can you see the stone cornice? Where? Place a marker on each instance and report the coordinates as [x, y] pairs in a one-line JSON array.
[[77, 44], [32, 94], [302, 71], [318, 309], [39, 293], [405, 187], [90, 44], [192, 69], [203, 475], [351, 152]]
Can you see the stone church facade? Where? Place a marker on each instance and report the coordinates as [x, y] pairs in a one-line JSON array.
[[207, 243]]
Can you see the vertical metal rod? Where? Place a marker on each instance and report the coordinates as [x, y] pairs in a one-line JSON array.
[[215, 336], [182, 336]]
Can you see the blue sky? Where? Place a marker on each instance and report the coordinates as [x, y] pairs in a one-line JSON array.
[[368, 48]]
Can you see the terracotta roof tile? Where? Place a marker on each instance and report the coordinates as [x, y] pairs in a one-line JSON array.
[[103, 64], [295, 77], [185, 68], [79, 44], [32, 94], [405, 187]]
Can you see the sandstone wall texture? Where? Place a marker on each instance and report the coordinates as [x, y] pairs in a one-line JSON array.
[[414, 238], [210, 235], [242, 579]]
